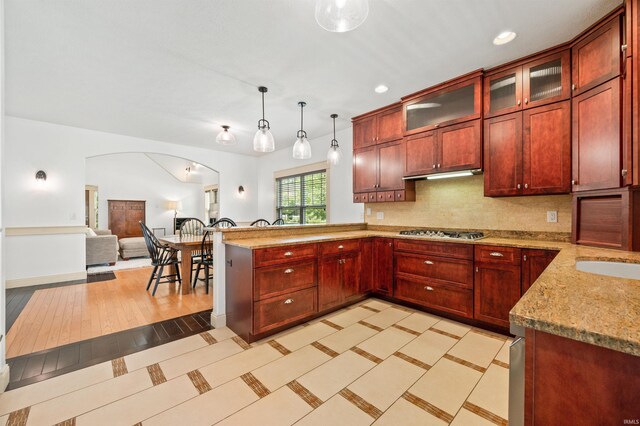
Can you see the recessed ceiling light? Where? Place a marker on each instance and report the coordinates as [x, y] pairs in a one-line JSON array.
[[504, 38], [381, 88]]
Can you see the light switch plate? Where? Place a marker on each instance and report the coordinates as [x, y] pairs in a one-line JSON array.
[[380, 215], [368, 211], [552, 216]]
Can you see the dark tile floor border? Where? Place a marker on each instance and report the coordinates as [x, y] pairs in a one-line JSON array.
[[43, 365]]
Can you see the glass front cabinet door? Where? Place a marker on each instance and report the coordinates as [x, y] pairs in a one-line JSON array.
[[538, 82]]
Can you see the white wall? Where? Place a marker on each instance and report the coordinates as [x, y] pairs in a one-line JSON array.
[[136, 177], [61, 152], [4, 372], [342, 209]]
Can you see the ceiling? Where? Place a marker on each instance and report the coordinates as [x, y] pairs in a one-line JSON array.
[[175, 70], [178, 167]]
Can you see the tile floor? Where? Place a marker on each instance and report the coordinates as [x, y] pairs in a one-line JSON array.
[[372, 363]]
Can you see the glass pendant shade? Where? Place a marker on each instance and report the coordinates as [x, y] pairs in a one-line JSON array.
[[263, 141], [302, 148], [340, 16], [225, 137], [335, 153]]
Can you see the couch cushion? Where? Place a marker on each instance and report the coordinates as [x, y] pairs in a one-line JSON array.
[[132, 243], [90, 232]]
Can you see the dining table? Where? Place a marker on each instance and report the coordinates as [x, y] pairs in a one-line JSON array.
[[187, 245]]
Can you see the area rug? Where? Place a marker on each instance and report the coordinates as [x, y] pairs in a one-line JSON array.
[[141, 262]]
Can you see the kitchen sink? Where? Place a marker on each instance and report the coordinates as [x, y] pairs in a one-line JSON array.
[[612, 269]]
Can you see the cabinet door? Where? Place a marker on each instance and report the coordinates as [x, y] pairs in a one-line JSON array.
[[496, 291], [546, 147], [329, 282], [350, 276], [383, 265], [389, 125], [365, 170], [546, 80], [364, 132], [460, 147], [534, 262], [503, 155], [366, 265], [421, 154], [596, 59], [503, 92], [596, 138], [391, 166]]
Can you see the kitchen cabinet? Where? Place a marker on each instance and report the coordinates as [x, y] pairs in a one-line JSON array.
[[377, 127], [379, 169], [496, 283], [452, 102], [596, 121], [534, 83], [529, 152], [339, 276], [383, 266], [534, 262], [597, 57], [452, 148]]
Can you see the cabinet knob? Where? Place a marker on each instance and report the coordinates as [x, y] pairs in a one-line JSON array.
[[390, 244], [623, 48], [340, 246], [288, 253], [428, 262], [574, 182], [526, 101], [399, 195], [436, 125], [624, 172], [288, 301], [573, 87], [496, 254], [477, 270], [288, 271], [434, 166], [438, 165], [526, 185], [518, 102], [428, 288], [518, 186], [524, 257]]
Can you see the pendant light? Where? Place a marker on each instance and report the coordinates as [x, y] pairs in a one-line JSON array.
[[263, 140], [302, 148], [340, 16], [335, 153], [225, 137]]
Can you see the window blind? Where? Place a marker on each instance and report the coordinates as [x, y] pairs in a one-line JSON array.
[[302, 198]]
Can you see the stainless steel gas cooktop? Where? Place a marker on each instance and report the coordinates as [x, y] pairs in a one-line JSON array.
[[444, 234]]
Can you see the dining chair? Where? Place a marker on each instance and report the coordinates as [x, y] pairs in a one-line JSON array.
[[260, 223], [224, 222], [278, 221], [205, 260], [161, 255], [192, 226]]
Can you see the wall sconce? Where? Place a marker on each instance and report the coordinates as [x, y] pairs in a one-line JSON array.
[[241, 191]]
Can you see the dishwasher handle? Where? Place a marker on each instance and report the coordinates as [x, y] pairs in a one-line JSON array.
[[516, 382]]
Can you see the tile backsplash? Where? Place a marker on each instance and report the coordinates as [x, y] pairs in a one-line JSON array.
[[460, 203]]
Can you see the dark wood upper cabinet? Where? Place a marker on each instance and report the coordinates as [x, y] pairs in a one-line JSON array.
[[383, 265], [364, 132], [365, 169], [503, 155], [389, 125], [381, 168], [547, 149], [597, 57], [596, 144], [534, 262], [421, 153], [530, 84], [391, 166], [449, 103]]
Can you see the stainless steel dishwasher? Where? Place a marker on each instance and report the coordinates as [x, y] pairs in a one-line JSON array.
[[516, 377]]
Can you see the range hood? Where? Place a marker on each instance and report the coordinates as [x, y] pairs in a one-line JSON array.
[[445, 175]]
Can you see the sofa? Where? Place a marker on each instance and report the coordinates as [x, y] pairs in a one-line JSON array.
[[133, 247], [102, 247]]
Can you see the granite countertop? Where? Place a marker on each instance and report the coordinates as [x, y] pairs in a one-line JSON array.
[[595, 309]]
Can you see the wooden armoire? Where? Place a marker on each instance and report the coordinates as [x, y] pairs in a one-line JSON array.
[[124, 217]]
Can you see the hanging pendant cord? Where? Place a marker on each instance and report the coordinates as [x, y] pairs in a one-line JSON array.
[[301, 118], [263, 105]]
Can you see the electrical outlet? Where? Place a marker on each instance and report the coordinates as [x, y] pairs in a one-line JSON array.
[[380, 215], [552, 216], [368, 211]]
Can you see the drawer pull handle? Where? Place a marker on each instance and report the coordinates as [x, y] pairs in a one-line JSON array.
[[496, 254], [289, 253], [288, 271], [288, 301], [428, 288], [340, 246], [428, 262]]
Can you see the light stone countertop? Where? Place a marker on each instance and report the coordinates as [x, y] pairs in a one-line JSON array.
[[595, 309]]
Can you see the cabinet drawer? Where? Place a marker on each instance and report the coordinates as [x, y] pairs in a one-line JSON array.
[[494, 254], [451, 299], [389, 196], [455, 250], [276, 280], [372, 197], [337, 247], [451, 271], [278, 311], [275, 255], [360, 198], [400, 196]]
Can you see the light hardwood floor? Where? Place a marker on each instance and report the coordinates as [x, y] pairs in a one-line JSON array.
[[62, 315]]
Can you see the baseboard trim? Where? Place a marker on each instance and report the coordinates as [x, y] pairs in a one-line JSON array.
[[218, 321], [4, 377], [47, 279]]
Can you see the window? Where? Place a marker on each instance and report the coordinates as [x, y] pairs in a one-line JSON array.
[[302, 198]]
